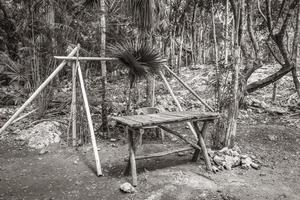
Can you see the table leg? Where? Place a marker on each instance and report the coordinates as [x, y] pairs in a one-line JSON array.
[[203, 134], [202, 144], [132, 159], [135, 145]]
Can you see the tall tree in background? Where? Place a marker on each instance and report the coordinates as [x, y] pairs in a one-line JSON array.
[[295, 50], [103, 65], [142, 13], [234, 101]]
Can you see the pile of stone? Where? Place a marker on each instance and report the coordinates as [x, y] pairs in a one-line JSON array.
[[41, 135], [230, 158]]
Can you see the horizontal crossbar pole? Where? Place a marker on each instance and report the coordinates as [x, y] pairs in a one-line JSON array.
[[161, 154], [85, 58]]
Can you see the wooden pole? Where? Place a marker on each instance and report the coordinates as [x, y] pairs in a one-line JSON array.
[[85, 58], [176, 101], [73, 104], [203, 147], [189, 89], [40, 88], [25, 115], [180, 136], [90, 123], [131, 156]]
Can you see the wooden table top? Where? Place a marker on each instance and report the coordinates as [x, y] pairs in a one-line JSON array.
[[140, 121]]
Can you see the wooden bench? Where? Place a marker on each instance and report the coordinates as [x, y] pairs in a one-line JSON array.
[[135, 125]]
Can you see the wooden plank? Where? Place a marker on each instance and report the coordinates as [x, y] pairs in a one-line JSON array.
[[166, 116], [197, 114], [144, 119], [188, 115], [138, 121], [161, 154], [126, 121]]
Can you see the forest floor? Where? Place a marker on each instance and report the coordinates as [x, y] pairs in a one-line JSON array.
[[266, 132], [64, 173]]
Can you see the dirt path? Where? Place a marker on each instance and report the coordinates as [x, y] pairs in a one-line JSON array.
[[68, 174]]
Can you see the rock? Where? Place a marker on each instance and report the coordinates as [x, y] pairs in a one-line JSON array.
[[272, 137], [127, 188], [43, 151], [255, 166], [214, 169], [180, 153], [114, 145], [210, 152], [41, 135], [232, 161], [218, 160], [236, 148], [223, 150], [277, 110], [246, 162]]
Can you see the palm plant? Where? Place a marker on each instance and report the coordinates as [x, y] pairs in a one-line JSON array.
[[141, 60]]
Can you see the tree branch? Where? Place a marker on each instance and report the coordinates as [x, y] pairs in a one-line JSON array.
[[250, 29], [269, 15], [261, 13], [273, 54], [268, 80]]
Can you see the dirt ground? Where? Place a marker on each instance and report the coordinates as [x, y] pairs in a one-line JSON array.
[[65, 173]]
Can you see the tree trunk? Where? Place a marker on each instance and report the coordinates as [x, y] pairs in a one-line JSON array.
[[234, 105], [226, 34], [295, 53], [180, 51], [103, 66], [218, 133]]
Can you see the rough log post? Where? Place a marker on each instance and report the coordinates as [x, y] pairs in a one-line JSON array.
[[180, 136], [274, 95], [203, 147], [176, 101], [73, 104], [34, 95], [103, 66], [132, 157], [90, 123], [203, 134]]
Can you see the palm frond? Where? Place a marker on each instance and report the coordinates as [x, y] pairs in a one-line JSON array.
[[141, 60]]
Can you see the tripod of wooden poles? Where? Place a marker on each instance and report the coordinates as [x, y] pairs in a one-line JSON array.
[[75, 69]]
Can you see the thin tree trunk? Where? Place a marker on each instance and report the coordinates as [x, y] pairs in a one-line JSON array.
[[103, 65], [216, 55], [193, 42], [274, 94], [226, 34], [295, 53], [217, 134], [180, 50], [233, 109]]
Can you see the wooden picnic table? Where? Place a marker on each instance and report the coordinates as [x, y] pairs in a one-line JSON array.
[[135, 125]]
